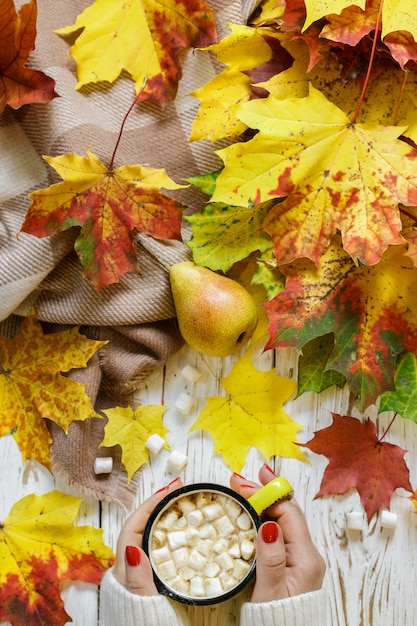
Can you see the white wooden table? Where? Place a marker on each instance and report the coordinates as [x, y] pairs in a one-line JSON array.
[[372, 574]]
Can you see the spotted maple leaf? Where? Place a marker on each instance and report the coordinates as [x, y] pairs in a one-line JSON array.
[[39, 549], [369, 309], [333, 174], [108, 204], [32, 386]]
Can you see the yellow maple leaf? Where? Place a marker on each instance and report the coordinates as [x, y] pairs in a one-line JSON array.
[[39, 549], [32, 386], [251, 415], [336, 175], [143, 37], [130, 430], [243, 49], [317, 10]]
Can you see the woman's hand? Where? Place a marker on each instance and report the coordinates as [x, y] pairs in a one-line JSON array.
[[132, 567], [287, 561]]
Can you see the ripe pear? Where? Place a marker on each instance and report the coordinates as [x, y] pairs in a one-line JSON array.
[[216, 315]]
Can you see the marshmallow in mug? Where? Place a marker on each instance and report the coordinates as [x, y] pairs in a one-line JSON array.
[[201, 540]]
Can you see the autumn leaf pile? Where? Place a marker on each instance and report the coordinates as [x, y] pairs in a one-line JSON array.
[[316, 190]]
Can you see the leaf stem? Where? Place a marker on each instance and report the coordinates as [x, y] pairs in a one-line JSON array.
[[371, 62], [130, 109], [113, 156], [400, 98], [386, 430], [151, 254]]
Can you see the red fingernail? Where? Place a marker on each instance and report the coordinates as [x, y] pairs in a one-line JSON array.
[[133, 555], [243, 482], [269, 532], [269, 469], [176, 480], [161, 489], [168, 485]]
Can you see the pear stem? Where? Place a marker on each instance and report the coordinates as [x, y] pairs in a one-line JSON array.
[[151, 254]]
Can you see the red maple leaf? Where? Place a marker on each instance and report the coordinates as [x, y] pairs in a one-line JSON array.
[[358, 459], [20, 85]]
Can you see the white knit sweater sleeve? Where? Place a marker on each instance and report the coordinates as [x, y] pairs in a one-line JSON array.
[[120, 606], [308, 609]]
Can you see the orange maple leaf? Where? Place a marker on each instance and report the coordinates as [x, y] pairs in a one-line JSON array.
[[370, 310], [32, 386], [20, 85], [40, 548], [358, 459], [108, 205]]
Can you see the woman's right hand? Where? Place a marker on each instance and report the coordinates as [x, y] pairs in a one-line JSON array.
[[132, 567], [287, 561]]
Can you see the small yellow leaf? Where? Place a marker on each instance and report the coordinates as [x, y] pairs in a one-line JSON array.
[[251, 415], [130, 430]]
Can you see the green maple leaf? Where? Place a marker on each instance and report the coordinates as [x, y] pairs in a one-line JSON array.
[[268, 274], [404, 399], [312, 372], [224, 235], [370, 309]]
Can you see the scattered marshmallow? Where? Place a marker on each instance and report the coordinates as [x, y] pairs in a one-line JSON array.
[[225, 561], [155, 443], [388, 519], [354, 520], [234, 551], [184, 403], [190, 373], [196, 560], [176, 462], [180, 556], [240, 569], [103, 465], [168, 569]]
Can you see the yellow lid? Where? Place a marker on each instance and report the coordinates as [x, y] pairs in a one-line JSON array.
[[276, 489]]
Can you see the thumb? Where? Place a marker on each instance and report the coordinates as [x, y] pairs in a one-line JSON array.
[[270, 581], [139, 576]]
